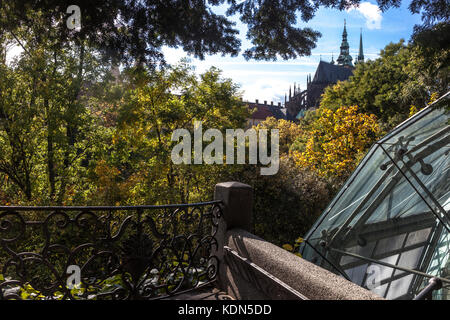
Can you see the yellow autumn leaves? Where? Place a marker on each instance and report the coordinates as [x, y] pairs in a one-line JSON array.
[[337, 140]]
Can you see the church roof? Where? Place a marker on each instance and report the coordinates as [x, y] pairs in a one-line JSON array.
[[331, 73]]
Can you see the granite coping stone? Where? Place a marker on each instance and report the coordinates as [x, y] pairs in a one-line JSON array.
[[310, 280]]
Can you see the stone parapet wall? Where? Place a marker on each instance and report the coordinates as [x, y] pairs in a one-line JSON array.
[[311, 281], [251, 268]]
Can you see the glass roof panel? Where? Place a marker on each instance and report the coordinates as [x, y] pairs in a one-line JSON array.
[[388, 228]]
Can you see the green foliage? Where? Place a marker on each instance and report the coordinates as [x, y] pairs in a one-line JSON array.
[[72, 132], [45, 128], [137, 30], [335, 142], [404, 75], [285, 204], [136, 167], [288, 132], [27, 292]]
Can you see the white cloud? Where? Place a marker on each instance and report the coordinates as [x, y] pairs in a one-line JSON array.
[[371, 13], [262, 80], [268, 89], [236, 74]]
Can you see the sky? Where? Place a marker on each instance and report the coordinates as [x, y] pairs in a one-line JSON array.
[[271, 80]]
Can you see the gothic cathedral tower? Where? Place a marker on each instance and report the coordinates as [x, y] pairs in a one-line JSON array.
[[345, 59]]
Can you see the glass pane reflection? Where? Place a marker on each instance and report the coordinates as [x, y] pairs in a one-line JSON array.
[[393, 212]]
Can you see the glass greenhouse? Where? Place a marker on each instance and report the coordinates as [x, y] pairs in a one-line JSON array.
[[388, 228]]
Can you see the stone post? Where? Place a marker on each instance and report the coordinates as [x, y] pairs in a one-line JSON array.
[[237, 206], [237, 199]]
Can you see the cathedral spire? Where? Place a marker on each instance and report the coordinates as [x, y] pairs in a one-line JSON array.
[[345, 59], [361, 53]]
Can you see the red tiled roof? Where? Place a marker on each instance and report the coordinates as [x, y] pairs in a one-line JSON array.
[[262, 111]]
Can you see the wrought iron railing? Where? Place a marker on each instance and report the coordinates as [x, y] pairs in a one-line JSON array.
[[141, 252]]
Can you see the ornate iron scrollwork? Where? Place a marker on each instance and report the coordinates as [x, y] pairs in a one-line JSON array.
[[143, 252]]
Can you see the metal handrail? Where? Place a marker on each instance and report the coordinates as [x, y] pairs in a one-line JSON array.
[[427, 292], [148, 252], [393, 266], [105, 208]]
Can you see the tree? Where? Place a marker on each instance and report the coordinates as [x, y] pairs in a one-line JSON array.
[[429, 65], [136, 30], [336, 142], [287, 203], [45, 128], [288, 132], [18, 132], [403, 75], [137, 164]]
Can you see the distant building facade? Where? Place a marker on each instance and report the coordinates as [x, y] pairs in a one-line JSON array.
[[262, 111], [327, 73]]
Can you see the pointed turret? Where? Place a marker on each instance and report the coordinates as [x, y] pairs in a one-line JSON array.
[[332, 59], [345, 59], [361, 53]]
